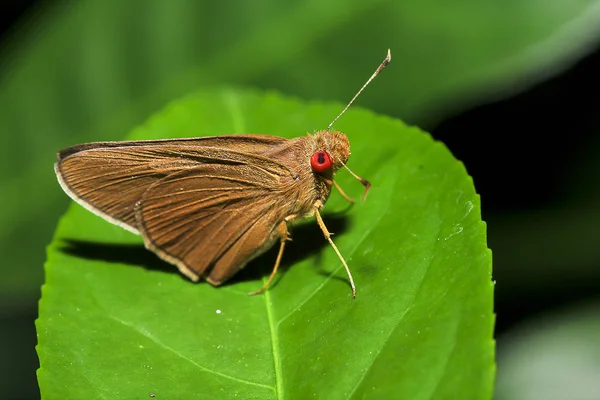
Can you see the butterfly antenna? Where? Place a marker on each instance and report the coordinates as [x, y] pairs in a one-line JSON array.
[[383, 64], [364, 182]]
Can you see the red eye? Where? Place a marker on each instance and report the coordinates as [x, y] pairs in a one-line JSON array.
[[320, 161]]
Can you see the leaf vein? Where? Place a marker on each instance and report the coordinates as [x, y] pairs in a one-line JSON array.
[[387, 338], [367, 232], [275, 346], [182, 356], [408, 308], [237, 117]]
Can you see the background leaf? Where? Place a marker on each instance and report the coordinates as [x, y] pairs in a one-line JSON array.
[[115, 321], [554, 356]]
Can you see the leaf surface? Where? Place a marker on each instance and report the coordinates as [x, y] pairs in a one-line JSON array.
[[116, 322]]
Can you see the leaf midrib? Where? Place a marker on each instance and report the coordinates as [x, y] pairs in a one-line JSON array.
[[239, 124], [275, 346]]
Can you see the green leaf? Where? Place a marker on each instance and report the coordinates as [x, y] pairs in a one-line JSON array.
[[115, 322]]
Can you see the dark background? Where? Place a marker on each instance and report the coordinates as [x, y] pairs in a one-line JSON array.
[[530, 155]]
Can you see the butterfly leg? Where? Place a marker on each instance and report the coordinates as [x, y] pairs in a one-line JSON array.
[[327, 235], [284, 236]]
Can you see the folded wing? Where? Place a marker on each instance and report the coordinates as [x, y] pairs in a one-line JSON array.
[[211, 220], [110, 178]]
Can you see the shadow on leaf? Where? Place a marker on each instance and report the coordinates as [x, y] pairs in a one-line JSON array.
[[307, 240], [128, 254]]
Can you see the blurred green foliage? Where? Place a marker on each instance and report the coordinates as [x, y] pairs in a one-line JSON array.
[[554, 356], [94, 69]]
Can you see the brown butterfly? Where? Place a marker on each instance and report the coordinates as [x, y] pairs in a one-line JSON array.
[[209, 205]]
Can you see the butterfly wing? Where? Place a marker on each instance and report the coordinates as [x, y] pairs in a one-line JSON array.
[[109, 178], [213, 216], [253, 144]]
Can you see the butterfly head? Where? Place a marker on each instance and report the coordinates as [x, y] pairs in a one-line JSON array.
[[331, 151]]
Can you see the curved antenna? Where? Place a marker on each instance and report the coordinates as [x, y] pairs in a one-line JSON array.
[[383, 64]]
